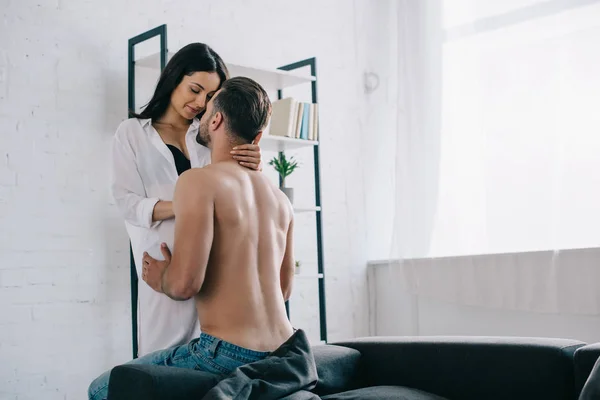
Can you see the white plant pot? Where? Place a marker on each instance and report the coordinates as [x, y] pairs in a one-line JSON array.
[[289, 192]]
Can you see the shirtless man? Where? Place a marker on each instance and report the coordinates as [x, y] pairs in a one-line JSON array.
[[233, 247]]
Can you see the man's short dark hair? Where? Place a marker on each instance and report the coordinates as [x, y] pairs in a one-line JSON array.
[[245, 106]]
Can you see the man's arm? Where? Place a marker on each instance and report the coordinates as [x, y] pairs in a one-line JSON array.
[[193, 205], [286, 275]]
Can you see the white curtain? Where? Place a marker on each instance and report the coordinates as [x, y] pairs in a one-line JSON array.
[[498, 152]]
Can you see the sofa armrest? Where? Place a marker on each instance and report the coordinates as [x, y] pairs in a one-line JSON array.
[[585, 359], [338, 369], [472, 368], [154, 382]]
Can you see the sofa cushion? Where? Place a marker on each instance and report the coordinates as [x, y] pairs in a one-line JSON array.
[[384, 393], [472, 368], [591, 389], [585, 358], [158, 382], [337, 368]]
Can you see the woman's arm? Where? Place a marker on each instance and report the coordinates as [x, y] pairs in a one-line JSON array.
[[163, 210], [128, 189]]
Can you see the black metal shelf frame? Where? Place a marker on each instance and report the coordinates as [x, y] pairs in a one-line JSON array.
[[312, 63], [162, 32]]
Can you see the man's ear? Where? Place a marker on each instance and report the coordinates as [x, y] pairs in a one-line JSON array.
[[257, 138], [217, 120]]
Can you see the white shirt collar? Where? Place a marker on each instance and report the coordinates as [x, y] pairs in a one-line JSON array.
[[195, 122]]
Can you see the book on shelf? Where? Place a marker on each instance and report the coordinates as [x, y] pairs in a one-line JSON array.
[[299, 110], [293, 119]]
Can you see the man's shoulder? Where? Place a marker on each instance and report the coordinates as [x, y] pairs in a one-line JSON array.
[[281, 198], [195, 175], [285, 202], [197, 180]]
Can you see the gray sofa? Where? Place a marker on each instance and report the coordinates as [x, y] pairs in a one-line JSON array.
[[410, 368], [587, 371]]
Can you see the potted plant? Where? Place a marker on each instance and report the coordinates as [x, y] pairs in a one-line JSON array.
[[284, 168], [298, 264]]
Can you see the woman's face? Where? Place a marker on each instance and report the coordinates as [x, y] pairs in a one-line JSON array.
[[190, 97]]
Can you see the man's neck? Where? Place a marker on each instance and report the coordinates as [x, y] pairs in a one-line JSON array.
[[221, 152]]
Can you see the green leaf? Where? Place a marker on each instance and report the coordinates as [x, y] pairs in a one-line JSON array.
[[283, 166]]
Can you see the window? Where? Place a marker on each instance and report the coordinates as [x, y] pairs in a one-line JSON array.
[[520, 140]]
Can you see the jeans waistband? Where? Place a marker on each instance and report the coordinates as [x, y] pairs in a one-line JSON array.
[[212, 342]]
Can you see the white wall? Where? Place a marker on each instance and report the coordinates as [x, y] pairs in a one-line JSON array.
[[64, 265], [379, 125], [401, 139]]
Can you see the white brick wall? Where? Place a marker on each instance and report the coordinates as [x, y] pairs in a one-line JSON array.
[[64, 282]]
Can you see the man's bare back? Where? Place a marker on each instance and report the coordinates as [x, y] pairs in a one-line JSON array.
[[250, 266]]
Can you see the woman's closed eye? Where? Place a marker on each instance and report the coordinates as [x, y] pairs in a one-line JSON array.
[[195, 90]]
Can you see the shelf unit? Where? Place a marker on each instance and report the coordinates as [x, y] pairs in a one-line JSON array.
[[283, 144], [269, 79], [272, 80], [306, 209], [308, 276]]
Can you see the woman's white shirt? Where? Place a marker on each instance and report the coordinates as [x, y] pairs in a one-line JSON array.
[[144, 172]]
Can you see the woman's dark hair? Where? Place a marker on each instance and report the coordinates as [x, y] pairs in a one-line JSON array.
[[195, 57]]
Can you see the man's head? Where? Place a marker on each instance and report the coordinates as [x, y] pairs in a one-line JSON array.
[[240, 110]]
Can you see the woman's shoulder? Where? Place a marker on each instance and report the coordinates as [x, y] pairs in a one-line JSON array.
[[131, 127]]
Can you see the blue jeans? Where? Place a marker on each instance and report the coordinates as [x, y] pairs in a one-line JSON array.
[[207, 353]]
